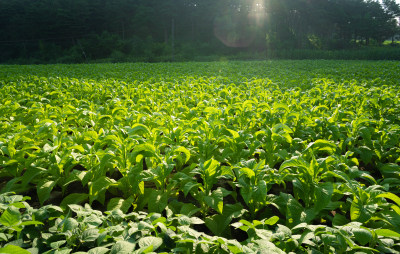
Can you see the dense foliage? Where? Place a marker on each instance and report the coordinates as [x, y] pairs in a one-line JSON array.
[[242, 157], [153, 30]]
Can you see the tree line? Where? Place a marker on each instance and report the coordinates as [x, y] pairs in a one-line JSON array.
[[80, 30]]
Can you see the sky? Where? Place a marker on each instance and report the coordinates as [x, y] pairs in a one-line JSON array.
[[397, 1]]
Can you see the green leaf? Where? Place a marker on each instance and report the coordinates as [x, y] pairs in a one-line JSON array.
[[146, 149], [184, 220], [10, 217], [155, 242], [387, 233], [120, 203], [12, 249], [57, 244], [188, 186], [322, 145], [139, 128], [218, 223], [323, 193], [98, 250], [234, 134], [365, 153], [91, 135], [248, 172], [215, 201], [122, 247], [90, 235], [362, 235], [98, 188], [44, 188], [235, 249], [271, 221], [31, 222], [294, 162], [69, 224], [48, 148], [30, 174], [390, 169], [265, 246], [339, 220], [293, 210], [210, 168], [74, 198], [77, 147], [189, 209], [358, 211], [158, 200], [182, 149], [390, 196], [195, 220]]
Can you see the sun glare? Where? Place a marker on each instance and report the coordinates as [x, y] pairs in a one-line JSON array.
[[237, 26]]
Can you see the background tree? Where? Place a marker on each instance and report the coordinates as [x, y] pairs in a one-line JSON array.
[[76, 30]]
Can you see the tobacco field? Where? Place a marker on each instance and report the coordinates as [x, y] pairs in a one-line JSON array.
[[222, 157]]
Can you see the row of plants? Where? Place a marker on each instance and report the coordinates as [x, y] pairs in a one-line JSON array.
[[224, 157]]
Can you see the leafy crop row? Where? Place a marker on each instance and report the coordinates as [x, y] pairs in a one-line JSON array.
[[225, 157]]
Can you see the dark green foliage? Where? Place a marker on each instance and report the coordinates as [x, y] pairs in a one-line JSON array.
[[55, 31]]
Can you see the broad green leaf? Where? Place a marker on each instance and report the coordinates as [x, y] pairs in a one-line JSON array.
[[98, 188], [74, 198], [390, 196], [90, 235], [10, 217], [158, 200], [339, 220], [218, 223], [210, 168], [30, 174], [69, 224], [91, 135], [272, 221], [12, 249], [98, 250], [147, 241], [139, 128], [189, 209], [44, 188], [48, 148], [358, 211], [184, 220], [185, 151], [195, 220], [215, 200], [122, 247], [390, 170], [234, 134], [265, 246], [250, 173], [77, 147], [323, 194], [57, 244], [293, 163], [387, 233], [322, 145], [31, 222], [120, 203], [211, 110], [188, 186], [362, 235], [147, 150]]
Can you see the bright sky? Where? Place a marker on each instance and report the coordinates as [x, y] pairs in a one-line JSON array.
[[398, 1]]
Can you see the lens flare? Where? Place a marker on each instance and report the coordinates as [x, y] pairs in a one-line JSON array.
[[237, 26]]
